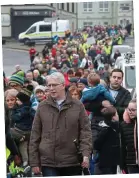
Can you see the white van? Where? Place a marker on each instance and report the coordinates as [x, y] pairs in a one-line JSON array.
[[129, 70], [43, 31]]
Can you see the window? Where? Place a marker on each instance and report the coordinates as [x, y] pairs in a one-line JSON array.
[[105, 23], [103, 6], [51, 4], [87, 24], [62, 6], [58, 6], [121, 21], [87, 6], [68, 7], [31, 30], [45, 28], [124, 7], [73, 7]]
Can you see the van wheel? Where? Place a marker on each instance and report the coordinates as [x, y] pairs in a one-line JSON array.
[[26, 41]]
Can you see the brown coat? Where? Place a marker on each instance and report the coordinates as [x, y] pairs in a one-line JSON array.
[[53, 132]]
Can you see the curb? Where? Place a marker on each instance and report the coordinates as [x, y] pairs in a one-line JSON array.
[[15, 48], [27, 50]]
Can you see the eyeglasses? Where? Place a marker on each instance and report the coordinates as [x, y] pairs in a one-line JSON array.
[[53, 85], [131, 109], [13, 86]]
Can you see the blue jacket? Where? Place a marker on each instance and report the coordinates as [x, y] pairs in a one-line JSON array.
[[34, 102], [23, 116], [98, 92]]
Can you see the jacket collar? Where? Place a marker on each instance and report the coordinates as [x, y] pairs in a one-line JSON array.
[[68, 101]]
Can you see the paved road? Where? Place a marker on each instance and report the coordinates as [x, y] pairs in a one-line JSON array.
[[13, 57]]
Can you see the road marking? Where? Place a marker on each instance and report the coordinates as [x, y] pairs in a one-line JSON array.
[[19, 50]]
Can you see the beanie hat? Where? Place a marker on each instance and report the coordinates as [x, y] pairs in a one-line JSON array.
[[39, 87], [17, 79], [83, 80], [25, 93], [21, 73], [74, 80]]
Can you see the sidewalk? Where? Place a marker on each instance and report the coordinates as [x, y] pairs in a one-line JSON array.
[[19, 46]]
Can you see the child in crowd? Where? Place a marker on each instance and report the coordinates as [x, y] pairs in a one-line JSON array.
[[96, 90], [107, 143], [40, 93], [22, 116]]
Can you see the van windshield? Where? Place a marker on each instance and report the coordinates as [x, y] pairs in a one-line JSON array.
[[130, 76], [31, 30]]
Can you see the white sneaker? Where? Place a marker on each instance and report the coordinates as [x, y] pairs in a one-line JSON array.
[[25, 163]]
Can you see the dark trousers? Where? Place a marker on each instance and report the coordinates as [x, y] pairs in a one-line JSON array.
[[64, 171], [133, 169], [104, 170], [31, 59]]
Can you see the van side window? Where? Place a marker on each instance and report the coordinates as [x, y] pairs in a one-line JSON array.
[[45, 28], [130, 75], [31, 30]]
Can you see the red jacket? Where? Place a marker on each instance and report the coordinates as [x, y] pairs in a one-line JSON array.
[[98, 51], [32, 51], [53, 51]]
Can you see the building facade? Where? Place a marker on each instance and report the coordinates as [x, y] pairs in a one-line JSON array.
[[104, 13], [17, 18]]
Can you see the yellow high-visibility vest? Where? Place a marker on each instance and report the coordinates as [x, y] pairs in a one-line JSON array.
[[107, 50], [120, 40], [85, 36], [83, 47]]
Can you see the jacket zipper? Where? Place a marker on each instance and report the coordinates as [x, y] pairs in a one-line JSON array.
[[57, 128], [55, 138]]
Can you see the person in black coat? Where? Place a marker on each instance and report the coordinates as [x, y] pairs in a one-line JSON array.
[[120, 94], [129, 138], [45, 51], [37, 77], [107, 143], [92, 53], [10, 144], [116, 55]]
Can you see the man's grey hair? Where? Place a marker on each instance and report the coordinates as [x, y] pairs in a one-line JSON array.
[[57, 76]]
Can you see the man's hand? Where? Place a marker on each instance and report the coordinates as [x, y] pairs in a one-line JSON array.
[[106, 103], [116, 117], [85, 163], [36, 170]]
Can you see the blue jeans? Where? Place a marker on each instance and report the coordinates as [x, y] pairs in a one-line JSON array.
[[49, 171], [65, 171]]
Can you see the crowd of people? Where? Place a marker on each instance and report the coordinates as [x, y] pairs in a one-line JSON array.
[[71, 91]]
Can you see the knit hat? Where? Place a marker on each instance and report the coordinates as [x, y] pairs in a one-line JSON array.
[[25, 93], [74, 80], [39, 87], [21, 73], [83, 80], [17, 79]]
